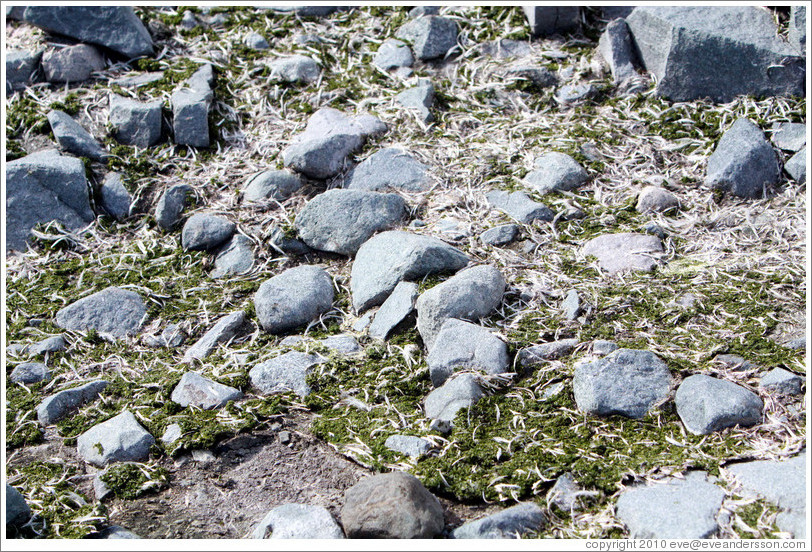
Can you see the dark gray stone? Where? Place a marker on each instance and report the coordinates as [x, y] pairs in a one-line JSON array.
[[298, 521], [72, 64], [390, 257], [119, 439], [625, 251], [572, 93], [293, 298], [340, 221], [419, 11], [234, 258], [394, 310], [531, 357], [114, 27], [189, 21], [707, 404], [202, 80], [295, 68], [615, 46], [743, 163], [718, 52], [500, 235], [519, 206], [389, 168], [431, 36], [48, 345], [57, 406], [190, 117], [30, 372], [72, 138], [256, 41], [17, 510], [195, 390], [566, 494], [138, 80], [21, 66], [556, 172], [796, 33], [271, 185], [205, 232], [115, 199], [393, 54], [539, 77], [112, 311], [463, 346], [509, 523], [656, 199], [281, 242], [344, 344], [571, 305], [457, 393], [789, 136], [504, 48], [628, 382], [782, 382], [135, 123], [172, 336], [226, 329], [287, 372], [391, 505], [796, 166], [548, 20], [409, 445], [171, 205], [419, 98]]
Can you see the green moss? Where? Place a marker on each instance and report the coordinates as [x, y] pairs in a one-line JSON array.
[[131, 480], [24, 114], [756, 515], [14, 150], [70, 105]]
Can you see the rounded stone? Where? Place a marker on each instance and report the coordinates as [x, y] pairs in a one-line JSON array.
[[707, 404], [293, 298], [206, 232]]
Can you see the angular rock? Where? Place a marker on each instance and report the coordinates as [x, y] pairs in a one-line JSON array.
[[42, 187], [195, 390], [457, 393], [628, 382], [656, 199], [504, 48], [509, 523], [394, 310], [796, 33], [470, 295], [548, 20], [112, 311], [625, 251], [274, 185], [677, 509], [571, 305], [531, 357], [138, 80], [566, 494], [340, 221], [171, 336], [431, 36], [135, 123], [572, 93], [17, 510], [343, 344], [500, 235], [57, 406], [789, 136], [615, 46], [707, 404], [743, 163], [190, 117], [72, 64], [224, 330], [463, 346], [298, 521], [285, 372], [171, 205], [782, 382], [389, 168], [173, 433], [48, 345], [115, 199], [796, 166], [235, 257], [519, 206], [119, 439], [782, 482], [30, 372], [539, 77], [293, 298], [256, 41], [72, 138], [390, 257], [278, 239], [409, 445], [21, 66], [603, 347], [392, 505], [296, 68], [205, 232], [393, 54], [419, 98], [556, 172], [716, 52]]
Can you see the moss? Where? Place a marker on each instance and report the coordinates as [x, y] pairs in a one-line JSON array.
[[14, 150], [24, 115], [21, 417], [130, 480], [70, 105]]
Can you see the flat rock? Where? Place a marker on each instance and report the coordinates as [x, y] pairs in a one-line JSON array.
[[392, 505], [571, 306], [293, 298], [510, 523], [344, 344], [298, 521], [17, 510], [556, 172], [72, 64], [615, 47], [789, 136], [287, 372], [549, 20], [115, 199], [112, 311], [653, 199], [625, 251], [504, 48], [460, 345], [48, 345], [409, 445], [171, 204], [206, 232], [280, 241], [573, 93], [628, 382], [602, 347], [707, 404], [73, 138], [457, 393], [782, 382], [271, 185], [57, 406], [391, 257], [195, 390], [119, 439], [500, 235], [532, 357], [519, 206], [394, 310], [796, 166], [227, 328], [419, 98], [393, 54], [135, 123], [30, 372], [21, 66], [743, 163], [431, 36], [171, 336], [676, 509], [235, 257], [389, 168], [138, 80], [295, 68], [340, 221]]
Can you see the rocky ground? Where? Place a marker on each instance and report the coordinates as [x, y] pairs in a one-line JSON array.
[[629, 332]]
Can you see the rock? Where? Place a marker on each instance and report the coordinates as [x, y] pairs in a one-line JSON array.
[[21, 66], [72, 138], [556, 172], [343, 344], [548, 20], [797, 344], [656, 199], [48, 345], [571, 305], [171, 336], [190, 117], [116, 532], [419, 11], [460, 345], [235, 257], [532, 357], [602, 347], [734, 362], [504, 48], [676, 509], [114, 27], [470, 294], [389, 168], [286, 245], [628, 382], [115, 199], [655, 230], [457, 393], [539, 77], [409, 445], [716, 52], [293, 298], [625, 251], [509, 523], [707, 404], [394, 310], [17, 510], [57, 406], [256, 41], [112, 311], [419, 98], [173, 433], [226, 329], [119, 439], [302, 69], [500, 235], [789, 136], [171, 205], [271, 185], [138, 80], [792, 522], [298, 521], [390, 257], [72, 64], [431, 36], [309, 11], [566, 494], [615, 46], [393, 54], [206, 232], [796, 166], [30, 372], [340, 221], [780, 381], [195, 390], [796, 33], [42, 187], [189, 21], [391, 505], [452, 229], [743, 163], [519, 206], [285, 372], [572, 93], [135, 123]]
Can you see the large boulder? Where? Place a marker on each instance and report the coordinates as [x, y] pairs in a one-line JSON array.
[[119, 439], [389, 168], [293, 298], [73, 138], [707, 404], [464, 346], [298, 521], [431, 36], [113, 311]]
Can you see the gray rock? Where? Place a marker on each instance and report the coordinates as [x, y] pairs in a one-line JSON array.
[[309, 11], [285, 372], [394, 310], [202, 80], [273, 185], [469, 295], [539, 77], [572, 93], [296, 68], [136, 81], [48, 345], [234, 258], [171, 336], [116, 532], [114, 27], [30, 372], [734, 362], [256, 41], [119, 439], [796, 33], [17, 510], [781, 381], [72, 63], [797, 343], [391, 505], [286, 245], [792, 522], [340, 221], [419, 11], [656, 199], [451, 229], [500, 235], [628, 382], [789, 136], [363, 322], [431, 36], [293, 298], [743, 163], [16, 349], [298, 521], [389, 168], [115, 199], [463, 346], [72, 138], [226, 329], [171, 205], [112, 311], [189, 21], [615, 46], [57, 406], [566, 494], [190, 117], [21, 66], [504, 48], [707, 404], [509, 523], [135, 123], [556, 172], [603, 347], [173, 433], [571, 305], [391, 257], [393, 54], [716, 52], [548, 20], [655, 230], [796, 166], [419, 98], [42, 187], [195, 390], [342, 343], [625, 251], [205, 232], [532, 357], [519, 206], [676, 509], [457, 393], [409, 445]]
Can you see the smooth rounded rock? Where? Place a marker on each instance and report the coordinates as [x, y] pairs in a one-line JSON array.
[[195, 390], [509, 523], [556, 172], [463, 346], [271, 185], [656, 199], [295, 68], [707, 404], [456, 393], [119, 439], [205, 232], [293, 298], [298, 521], [30, 372], [500, 235], [114, 311], [393, 54]]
